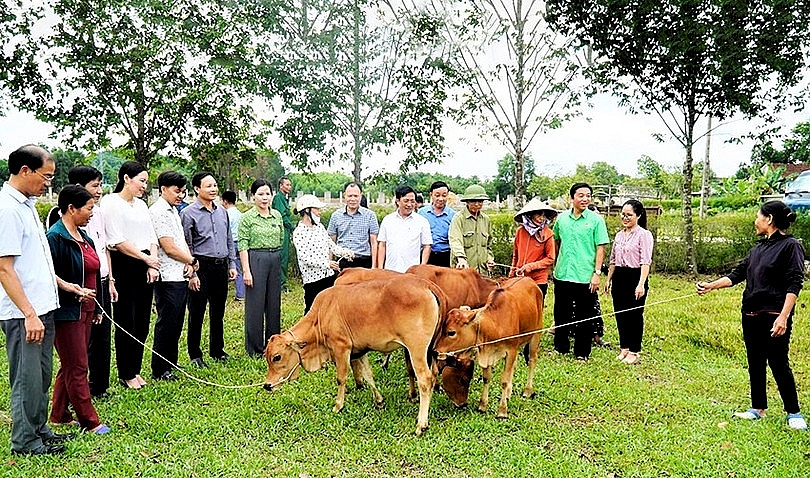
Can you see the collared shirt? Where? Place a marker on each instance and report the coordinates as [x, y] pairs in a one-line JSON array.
[[773, 269], [166, 221], [208, 232], [257, 232], [579, 237], [404, 238], [234, 215], [282, 204], [471, 237], [24, 238], [439, 226], [95, 229], [127, 221], [352, 231], [632, 249], [315, 250]]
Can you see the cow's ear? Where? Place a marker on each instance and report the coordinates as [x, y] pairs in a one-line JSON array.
[[298, 345]]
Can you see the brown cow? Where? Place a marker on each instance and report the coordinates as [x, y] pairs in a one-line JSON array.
[[347, 321], [515, 309], [355, 275]]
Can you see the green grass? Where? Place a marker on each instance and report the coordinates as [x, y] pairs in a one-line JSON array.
[[663, 417]]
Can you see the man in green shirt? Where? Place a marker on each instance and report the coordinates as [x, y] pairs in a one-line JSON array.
[[581, 236], [281, 203], [470, 233]]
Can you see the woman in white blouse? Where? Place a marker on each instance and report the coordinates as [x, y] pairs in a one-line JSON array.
[[315, 249], [133, 253]]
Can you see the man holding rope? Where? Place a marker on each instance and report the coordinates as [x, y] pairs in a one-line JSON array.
[[581, 236]]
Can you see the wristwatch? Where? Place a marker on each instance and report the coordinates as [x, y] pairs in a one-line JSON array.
[[194, 262], [598, 272]]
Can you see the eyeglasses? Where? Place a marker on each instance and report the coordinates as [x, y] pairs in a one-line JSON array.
[[46, 177], [628, 216]]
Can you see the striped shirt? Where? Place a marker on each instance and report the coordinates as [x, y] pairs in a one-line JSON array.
[[632, 249]]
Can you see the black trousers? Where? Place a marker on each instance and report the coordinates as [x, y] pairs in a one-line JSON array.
[[763, 351], [312, 290], [358, 261], [132, 312], [213, 293], [99, 350], [574, 302], [170, 301], [630, 323], [439, 258]]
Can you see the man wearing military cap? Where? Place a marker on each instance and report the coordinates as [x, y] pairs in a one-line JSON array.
[[471, 233]]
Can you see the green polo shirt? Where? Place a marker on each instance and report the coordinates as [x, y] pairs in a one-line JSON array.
[[257, 232], [576, 259], [471, 238]]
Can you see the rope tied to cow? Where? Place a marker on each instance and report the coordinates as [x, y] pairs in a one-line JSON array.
[[174, 365], [453, 353]]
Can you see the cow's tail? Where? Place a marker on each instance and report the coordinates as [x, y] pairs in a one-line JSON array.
[[441, 300]]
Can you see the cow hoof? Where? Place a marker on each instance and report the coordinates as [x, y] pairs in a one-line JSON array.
[[420, 430], [502, 416], [337, 408], [482, 410], [414, 399], [359, 386], [461, 406], [529, 394], [380, 405]]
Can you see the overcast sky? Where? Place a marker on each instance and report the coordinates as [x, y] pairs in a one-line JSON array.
[[612, 135]]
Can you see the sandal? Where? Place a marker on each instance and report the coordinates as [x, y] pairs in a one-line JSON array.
[[631, 358], [750, 414], [796, 421], [623, 354], [100, 430]]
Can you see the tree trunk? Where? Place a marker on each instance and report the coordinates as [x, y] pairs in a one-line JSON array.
[[704, 187], [686, 192], [520, 98], [520, 168], [357, 134]]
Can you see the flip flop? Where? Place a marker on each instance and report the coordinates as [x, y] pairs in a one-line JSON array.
[[749, 414]]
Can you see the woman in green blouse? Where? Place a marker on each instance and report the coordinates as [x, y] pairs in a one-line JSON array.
[[260, 233]]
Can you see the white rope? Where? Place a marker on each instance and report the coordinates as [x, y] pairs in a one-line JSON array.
[[444, 355], [206, 382]]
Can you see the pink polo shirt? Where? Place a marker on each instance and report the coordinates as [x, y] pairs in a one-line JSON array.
[[632, 249]]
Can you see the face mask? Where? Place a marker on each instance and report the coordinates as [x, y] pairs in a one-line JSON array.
[[315, 219]]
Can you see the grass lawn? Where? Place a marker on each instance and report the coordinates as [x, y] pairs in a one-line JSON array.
[[667, 416]]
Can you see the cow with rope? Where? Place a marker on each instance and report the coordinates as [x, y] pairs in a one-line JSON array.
[[347, 321], [512, 317]]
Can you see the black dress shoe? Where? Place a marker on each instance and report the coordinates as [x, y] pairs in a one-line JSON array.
[[58, 438], [198, 362], [42, 450], [222, 357], [167, 376]]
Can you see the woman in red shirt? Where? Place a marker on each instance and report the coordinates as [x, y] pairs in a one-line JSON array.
[[534, 250]]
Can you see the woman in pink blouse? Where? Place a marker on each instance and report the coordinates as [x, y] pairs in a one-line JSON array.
[[630, 259]]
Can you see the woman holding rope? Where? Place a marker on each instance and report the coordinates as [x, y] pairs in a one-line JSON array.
[[773, 271], [630, 259]]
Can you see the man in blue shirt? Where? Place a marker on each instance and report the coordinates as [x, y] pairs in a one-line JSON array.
[[439, 216], [28, 297], [355, 228]]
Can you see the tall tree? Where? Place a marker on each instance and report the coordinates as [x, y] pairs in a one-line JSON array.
[[687, 59], [154, 73], [18, 62], [519, 74]]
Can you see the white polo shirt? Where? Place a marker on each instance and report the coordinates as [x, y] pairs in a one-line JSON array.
[[24, 238], [404, 238], [166, 221]]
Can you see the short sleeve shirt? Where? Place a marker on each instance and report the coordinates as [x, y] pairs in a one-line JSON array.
[[352, 231], [439, 226], [579, 238], [404, 238], [127, 221], [166, 221], [258, 232], [24, 238]]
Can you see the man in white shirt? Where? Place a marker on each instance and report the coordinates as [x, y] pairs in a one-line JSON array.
[[404, 239], [234, 215], [176, 266], [26, 311]]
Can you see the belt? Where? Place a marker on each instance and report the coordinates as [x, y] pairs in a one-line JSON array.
[[358, 256], [213, 260]]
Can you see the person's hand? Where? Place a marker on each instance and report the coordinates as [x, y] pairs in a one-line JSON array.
[[594, 286], [152, 261], [608, 284], [188, 271], [233, 274], [247, 278], [113, 292], [334, 265], [461, 263], [152, 275], [194, 284], [34, 329], [640, 291], [702, 288], [779, 326], [97, 319]]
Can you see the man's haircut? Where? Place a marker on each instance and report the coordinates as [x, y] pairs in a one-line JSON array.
[[579, 186], [439, 184], [353, 183], [403, 190], [83, 175], [171, 178], [229, 196], [73, 195], [29, 155], [281, 180], [196, 180]]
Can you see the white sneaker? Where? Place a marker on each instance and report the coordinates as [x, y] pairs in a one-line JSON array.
[[749, 414], [796, 421]]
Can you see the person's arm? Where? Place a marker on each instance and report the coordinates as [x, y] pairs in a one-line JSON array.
[[372, 239], [34, 328], [705, 287], [380, 254], [609, 278], [515, 244], [113, 290], [780, 324], [129, 249], [425, 253], [645, 272], [247, 277], [600, 259], [455, 236]]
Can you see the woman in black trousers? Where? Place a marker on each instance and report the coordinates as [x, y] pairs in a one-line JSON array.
[[774, 272]]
